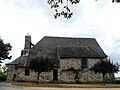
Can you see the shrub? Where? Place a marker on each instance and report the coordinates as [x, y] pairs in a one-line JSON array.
[[118, 81], [2, 77]]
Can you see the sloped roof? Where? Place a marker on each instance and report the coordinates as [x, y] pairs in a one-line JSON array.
[[21, 61], [71, 47], [78, 52], [64, 47], [16, 61]]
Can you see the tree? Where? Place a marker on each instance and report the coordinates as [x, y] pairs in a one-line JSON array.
[[105, 67], [41, 64], [65, 10], [0, 69], [117, 1], [4, 70], [76, 72], [5, 49], [3, 73]]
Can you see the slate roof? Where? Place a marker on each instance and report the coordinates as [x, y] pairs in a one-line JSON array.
[[78, 52], [66, 47], [87, 47], [16, 61], [21, 61]]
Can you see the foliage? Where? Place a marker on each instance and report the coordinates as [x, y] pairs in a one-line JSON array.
[[0, 69], [4, 68], [65, 11], [3, 73], [2, 77], [5, 49], [75, 71], [117, 81], [105, 67], [118, 1], [41, 64]]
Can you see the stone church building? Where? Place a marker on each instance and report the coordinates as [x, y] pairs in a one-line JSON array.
[[66, 52]]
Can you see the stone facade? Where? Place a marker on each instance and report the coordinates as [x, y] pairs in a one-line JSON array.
[[19, 75], [68, 76], [85, 76], [11, 72], [44, 76], [66, 53]]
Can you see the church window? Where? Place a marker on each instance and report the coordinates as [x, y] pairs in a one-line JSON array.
[[15, 67], [27, 72], [84, 63]]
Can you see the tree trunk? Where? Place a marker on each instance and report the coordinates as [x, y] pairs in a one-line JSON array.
[[38, 78], [103, 79]]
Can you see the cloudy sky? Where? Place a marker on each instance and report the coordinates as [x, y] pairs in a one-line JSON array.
[[92, 19]]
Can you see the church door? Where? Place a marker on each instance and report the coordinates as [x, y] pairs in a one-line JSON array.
[[55, 74]]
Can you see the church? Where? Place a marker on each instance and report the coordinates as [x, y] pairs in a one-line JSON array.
[[66, 52]]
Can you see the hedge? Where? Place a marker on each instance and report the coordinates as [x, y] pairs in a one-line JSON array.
[[2, 77]]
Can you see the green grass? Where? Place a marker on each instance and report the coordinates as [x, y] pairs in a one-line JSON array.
[[67, 85]]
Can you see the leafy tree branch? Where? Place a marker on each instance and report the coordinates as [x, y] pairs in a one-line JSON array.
[[105, 67], [41, 64], [61, 7], [77, 72]]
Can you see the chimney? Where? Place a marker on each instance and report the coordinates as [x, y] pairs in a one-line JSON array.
[[27, 42], [27, 45]]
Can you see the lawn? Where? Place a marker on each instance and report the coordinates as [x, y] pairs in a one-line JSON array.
[[67, 85]]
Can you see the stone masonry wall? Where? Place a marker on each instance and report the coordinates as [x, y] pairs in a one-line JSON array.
[[20, 75], [10, 72], [88, 76], [65, 64], [44, 76], [63, 76]]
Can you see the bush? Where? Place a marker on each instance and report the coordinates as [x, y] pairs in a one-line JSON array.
[[117, 81], [2, 77]]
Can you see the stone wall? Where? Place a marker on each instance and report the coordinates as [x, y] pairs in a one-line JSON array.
[[44, 76], [70, 62], [68, 76], [63, 76], [85, 76], [20, 75], [10, 72]]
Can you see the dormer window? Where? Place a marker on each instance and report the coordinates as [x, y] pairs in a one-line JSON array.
[[25, 52]]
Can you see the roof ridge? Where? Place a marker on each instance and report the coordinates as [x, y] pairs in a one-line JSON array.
[[68, 37]]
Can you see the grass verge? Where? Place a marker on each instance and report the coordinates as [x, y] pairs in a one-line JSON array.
[[28, 84]]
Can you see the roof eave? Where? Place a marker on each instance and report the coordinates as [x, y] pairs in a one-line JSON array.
[[86, 57]]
